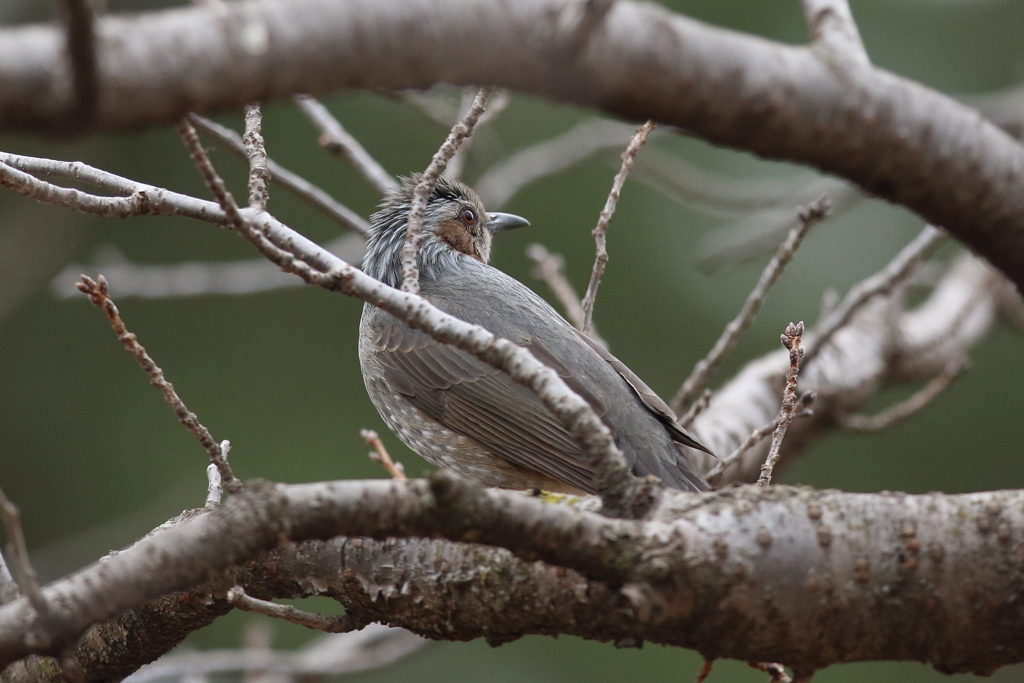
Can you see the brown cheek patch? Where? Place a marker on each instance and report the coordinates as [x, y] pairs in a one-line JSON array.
[[456, 235]]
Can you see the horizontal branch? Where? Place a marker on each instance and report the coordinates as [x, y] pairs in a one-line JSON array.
[[892, 576], [893, 137]]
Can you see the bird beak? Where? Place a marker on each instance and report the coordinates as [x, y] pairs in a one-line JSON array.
[[499, 222]]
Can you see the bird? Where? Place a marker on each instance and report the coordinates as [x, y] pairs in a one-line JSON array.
[[462, 414]]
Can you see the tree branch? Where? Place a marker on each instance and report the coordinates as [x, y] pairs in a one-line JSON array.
[[99, 295], [599, 233], [335, 139], [425, 185], [809, 216], [895, 138], [686, 577], [293, 182], [880, 344]]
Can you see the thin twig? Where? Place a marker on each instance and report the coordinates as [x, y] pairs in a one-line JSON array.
[[81, 42], [601, 230], [809, 216], [335, 139], [803, 409], [320, 622], [499, 100], [290, 181], [380, 454], [98, 293], [873, 423], [791, 340], [256, 151], [696, 408], [832, 27], [134, 198], [425, 185], [215, 486], [17, 550], [895, 273], [213, 180]]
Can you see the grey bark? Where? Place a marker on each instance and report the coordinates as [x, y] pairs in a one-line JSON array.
[[809, 578], [893, 137]]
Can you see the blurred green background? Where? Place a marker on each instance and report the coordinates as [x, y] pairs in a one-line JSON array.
[[95, 458]]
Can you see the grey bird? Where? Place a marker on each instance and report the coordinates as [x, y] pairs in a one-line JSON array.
[[462, 414]]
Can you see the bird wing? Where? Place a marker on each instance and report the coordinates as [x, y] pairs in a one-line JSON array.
[[651, 400], [483, 403]]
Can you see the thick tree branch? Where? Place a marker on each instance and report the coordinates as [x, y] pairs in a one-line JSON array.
[[895, 138], [920, 577]]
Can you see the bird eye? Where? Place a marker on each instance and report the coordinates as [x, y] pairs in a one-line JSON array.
[[468, 216]]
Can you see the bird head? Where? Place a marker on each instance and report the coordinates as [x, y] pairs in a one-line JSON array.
[[455, 227]]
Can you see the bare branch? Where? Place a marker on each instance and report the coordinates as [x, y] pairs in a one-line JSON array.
[[319, 622], [930, 153], [896, 272], [879, 346], [380, 454], [696, 408], [98, 294], [215, 483], [791, 340], [703, 542], [758, 435], [832, 28], [904, 409], [214, 490], [213, 180], [499, 100], [136, 199], [292, 182], [425, 185], [335, 139], [694, 384], [599, 232], [17, 550], [256, 151]]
